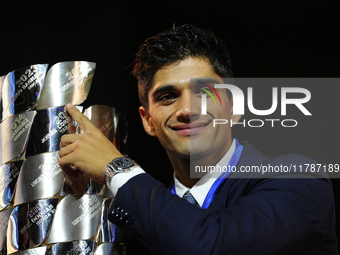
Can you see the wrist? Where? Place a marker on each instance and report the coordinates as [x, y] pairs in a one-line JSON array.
[[118, 165]]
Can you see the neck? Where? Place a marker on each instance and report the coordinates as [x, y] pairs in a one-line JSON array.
[[182, 171], [182, 166]]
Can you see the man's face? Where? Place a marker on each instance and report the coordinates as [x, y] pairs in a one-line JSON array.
[[175, 117]]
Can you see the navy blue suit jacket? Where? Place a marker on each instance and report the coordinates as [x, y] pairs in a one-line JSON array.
[[249, 215]]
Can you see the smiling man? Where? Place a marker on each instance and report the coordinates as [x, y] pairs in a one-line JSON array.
[[231, 213], [173, 115]]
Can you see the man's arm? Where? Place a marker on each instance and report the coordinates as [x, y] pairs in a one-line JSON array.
[[88, 152], [275, 216]]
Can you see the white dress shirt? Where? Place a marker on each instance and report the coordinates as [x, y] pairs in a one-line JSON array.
[[202, 187]]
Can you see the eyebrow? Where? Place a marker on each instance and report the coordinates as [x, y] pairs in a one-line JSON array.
[[196, 81], [163, 89]]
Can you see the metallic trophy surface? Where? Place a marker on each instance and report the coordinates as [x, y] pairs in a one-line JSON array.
[[8, 177], [29, 224], [40, 177], [39, 213], [14, 135], [20, 90], [4, 221], [67, 82]]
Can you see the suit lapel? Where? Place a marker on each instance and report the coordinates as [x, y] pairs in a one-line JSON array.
[[250, 157]]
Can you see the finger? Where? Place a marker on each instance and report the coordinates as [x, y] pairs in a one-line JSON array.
[[84, 123], [66, 150], [78, 186], [72, 125], [70, 173], [67, 164], [69, 139]]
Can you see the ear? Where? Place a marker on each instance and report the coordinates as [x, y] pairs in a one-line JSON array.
[[235, 118], [147, 121]]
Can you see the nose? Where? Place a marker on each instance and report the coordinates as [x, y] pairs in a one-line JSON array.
[[187, 107]]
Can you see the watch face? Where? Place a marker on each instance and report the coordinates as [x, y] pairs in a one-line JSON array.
[[122, 163]]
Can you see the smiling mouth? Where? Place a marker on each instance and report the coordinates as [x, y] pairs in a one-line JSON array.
[[190, 129]]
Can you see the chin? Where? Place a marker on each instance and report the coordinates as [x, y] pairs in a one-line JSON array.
[[198, 152]]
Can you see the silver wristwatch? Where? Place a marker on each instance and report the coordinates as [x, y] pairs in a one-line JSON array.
[[118, 165]]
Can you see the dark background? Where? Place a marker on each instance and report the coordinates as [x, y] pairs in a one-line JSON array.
[[265, 39]]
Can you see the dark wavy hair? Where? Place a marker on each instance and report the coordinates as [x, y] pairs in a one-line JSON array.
[[175, 45]]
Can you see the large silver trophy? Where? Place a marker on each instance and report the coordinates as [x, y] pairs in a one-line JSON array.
[[39, 213]]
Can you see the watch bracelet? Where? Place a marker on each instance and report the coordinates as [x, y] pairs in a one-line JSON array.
[[110, 172]]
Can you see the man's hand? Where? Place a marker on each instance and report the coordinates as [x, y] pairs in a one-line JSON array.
[[88, 152]]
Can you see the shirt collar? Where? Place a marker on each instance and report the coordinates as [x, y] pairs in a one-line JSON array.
[[202, 187]]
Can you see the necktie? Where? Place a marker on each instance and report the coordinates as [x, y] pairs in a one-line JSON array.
[[190, 198]]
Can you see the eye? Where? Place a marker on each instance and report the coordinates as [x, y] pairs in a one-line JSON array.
[[166, 98]]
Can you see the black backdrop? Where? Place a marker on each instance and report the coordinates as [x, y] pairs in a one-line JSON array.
[[265, 39]]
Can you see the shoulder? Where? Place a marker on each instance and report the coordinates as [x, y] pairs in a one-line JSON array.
[[292, 178], [254, 164], [291, 159], [253, 155]]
